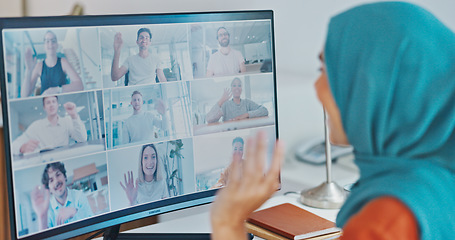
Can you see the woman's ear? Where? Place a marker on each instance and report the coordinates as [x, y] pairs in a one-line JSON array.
[[323, 92], [337, 133]]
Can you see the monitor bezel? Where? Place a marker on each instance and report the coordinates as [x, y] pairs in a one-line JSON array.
[[135, 212]]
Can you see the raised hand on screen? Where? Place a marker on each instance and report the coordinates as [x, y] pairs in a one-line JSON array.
[[118, 42], [30, 61], [130, 187], [160, 106], [70, 108], [227, 94], [40, 197]]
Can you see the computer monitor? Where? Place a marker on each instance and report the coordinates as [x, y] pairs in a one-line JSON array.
[[109, 119]]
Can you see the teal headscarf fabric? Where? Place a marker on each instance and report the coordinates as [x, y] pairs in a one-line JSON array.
[[391, 70]]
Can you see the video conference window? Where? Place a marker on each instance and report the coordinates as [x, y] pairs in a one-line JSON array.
[[52, 61], [230, 103], [147, 113], [56, 127], [231, 48], [213, 167], [151, 172], [61, 192], [134, 55], [108, 117]]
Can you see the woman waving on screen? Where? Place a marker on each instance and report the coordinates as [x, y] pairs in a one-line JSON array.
[[151, 184], [52, 71]]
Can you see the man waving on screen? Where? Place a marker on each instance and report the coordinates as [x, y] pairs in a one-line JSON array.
[[142, 67], [54, 203], [53, 130]]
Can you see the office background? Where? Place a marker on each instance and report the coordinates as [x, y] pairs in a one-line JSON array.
[[300, 28]]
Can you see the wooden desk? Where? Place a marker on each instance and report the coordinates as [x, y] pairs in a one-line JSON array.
[[4, 221]]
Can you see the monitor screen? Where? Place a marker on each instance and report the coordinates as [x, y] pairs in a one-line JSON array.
[[109, 119]]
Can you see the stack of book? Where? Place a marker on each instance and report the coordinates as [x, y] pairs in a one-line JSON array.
[[287, 221]]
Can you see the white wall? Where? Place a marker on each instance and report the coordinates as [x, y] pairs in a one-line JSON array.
[[300, 24], [300, 27], [10, 8]]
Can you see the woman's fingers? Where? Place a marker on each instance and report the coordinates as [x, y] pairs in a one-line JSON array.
[[273, 173]]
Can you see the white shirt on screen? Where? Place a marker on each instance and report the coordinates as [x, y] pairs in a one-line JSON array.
[[52, 136], [151, 191], [75, 199], [224, 65], [142, 70]]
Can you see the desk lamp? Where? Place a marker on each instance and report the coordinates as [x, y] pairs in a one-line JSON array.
[[329, 194]]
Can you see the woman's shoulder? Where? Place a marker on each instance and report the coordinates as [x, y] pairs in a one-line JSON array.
[[63, 61], [373, 219]]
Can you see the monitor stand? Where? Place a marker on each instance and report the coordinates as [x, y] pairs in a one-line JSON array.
[[112, 233]]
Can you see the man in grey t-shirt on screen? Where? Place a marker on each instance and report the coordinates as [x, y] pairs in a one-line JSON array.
[[142, 67], [140, 126]]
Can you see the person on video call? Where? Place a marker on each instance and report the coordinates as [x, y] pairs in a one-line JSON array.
[[142, 67], [54, 203], [151, 183], [391, 96], [52, 131], [226, 61], [52, 71], [235, 109], [237, 155], [141, 125]]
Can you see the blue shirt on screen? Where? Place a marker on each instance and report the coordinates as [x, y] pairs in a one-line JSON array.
[[75, 199]]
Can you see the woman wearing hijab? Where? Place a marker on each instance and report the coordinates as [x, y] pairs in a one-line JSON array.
[[388, 86]]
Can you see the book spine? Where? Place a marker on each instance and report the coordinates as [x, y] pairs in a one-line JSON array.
[[263, 233]]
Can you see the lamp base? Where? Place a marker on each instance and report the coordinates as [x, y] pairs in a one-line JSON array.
[[327, 195]]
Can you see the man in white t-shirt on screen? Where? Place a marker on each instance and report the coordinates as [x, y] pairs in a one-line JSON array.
[[226, 61], [141, 125], [143, 67]]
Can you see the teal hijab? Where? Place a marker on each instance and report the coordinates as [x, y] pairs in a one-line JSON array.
[[391, 69]]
